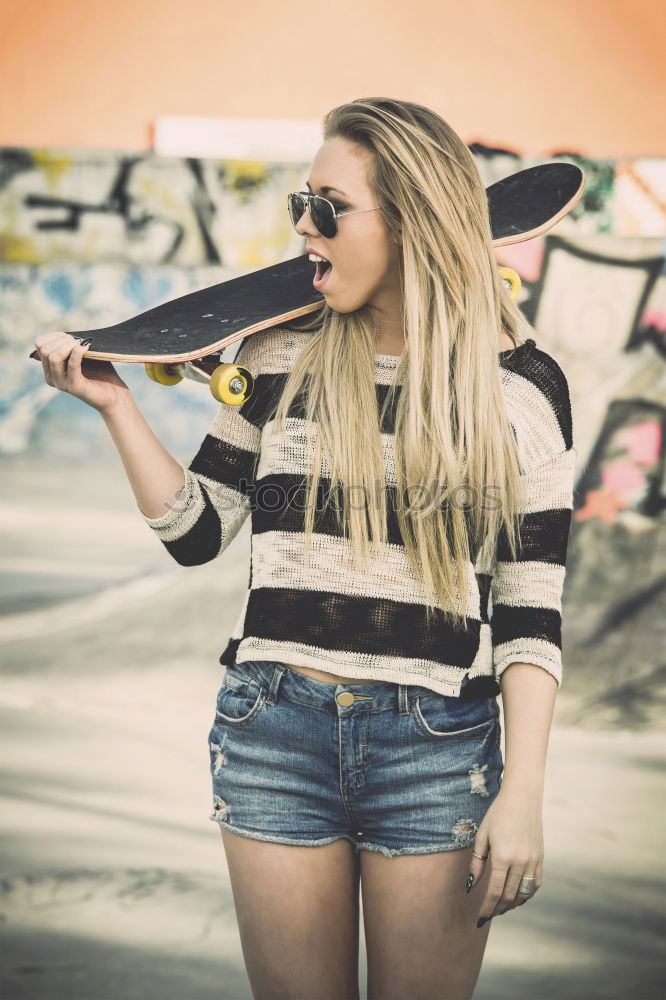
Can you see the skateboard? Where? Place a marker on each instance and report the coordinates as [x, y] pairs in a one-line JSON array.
[[184, 338]]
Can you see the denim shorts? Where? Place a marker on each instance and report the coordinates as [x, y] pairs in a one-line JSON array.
[[393, 768]]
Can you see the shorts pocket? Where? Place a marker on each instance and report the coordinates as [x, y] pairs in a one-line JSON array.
[[240, 699], [448, 718]]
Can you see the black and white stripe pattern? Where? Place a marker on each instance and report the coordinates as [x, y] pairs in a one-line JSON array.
[[327, 614]]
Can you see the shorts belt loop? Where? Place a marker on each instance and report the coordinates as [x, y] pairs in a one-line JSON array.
[[278, 673], [403, 699]]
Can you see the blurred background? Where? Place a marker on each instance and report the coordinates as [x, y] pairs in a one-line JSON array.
[[147, 151]]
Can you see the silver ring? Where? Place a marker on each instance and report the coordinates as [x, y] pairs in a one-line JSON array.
[[479, 856], [527, 887]]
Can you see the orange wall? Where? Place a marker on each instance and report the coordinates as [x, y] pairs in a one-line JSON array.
[[534, 75]]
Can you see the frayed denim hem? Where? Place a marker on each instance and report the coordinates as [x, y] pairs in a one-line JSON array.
[[272, 839], [389, 853]]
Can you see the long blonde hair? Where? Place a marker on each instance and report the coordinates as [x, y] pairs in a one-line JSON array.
[[452, 435]]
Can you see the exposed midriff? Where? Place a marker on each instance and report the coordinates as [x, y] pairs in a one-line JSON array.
[[325, 677]]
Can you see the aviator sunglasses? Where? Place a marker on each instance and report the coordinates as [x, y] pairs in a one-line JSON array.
[[322, 212]]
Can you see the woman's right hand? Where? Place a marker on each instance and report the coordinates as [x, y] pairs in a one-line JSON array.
[[94, 382]]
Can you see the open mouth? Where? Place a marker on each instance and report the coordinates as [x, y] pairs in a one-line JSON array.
[[322, 274]]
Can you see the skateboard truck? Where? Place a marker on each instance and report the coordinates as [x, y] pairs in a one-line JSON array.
[[229, 383]]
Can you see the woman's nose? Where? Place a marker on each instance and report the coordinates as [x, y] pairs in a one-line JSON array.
[[305, 225]]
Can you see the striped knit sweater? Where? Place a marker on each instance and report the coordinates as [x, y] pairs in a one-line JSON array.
[[329, 616]]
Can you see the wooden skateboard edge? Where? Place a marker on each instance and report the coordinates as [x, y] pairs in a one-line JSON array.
[[210, 348]]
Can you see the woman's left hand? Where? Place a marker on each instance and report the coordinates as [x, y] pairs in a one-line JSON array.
[[511, 837]]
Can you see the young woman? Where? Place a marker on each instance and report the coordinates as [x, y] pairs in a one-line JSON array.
[[407, 460]]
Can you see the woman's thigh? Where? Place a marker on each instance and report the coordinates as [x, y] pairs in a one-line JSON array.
[[433, 770], [298, 917], [420, 926]]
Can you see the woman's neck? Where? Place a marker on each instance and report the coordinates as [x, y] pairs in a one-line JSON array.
[[394, 349]]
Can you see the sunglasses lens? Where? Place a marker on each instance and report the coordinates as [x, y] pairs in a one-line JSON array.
[[323, 217], [321, 213], [296, 206]]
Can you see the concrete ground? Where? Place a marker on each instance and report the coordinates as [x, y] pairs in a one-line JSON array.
[[114, 881]]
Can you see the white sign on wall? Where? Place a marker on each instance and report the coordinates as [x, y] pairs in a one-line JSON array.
[[285, 140]]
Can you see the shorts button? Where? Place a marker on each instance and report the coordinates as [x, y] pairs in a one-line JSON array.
[[345, 698]]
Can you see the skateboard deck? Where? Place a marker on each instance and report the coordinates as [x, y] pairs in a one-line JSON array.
[[185, 336]]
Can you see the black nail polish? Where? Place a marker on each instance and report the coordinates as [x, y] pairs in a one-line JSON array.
[[470, 881], [482, 921]]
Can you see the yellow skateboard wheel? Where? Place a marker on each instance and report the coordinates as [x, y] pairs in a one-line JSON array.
[[512, 282], [231, 384], [160, 373]]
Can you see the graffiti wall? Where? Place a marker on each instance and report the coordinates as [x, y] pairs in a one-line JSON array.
[[90, 238]]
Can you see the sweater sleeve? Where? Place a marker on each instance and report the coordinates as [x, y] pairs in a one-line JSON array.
[[527, 591], [215, 500]]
